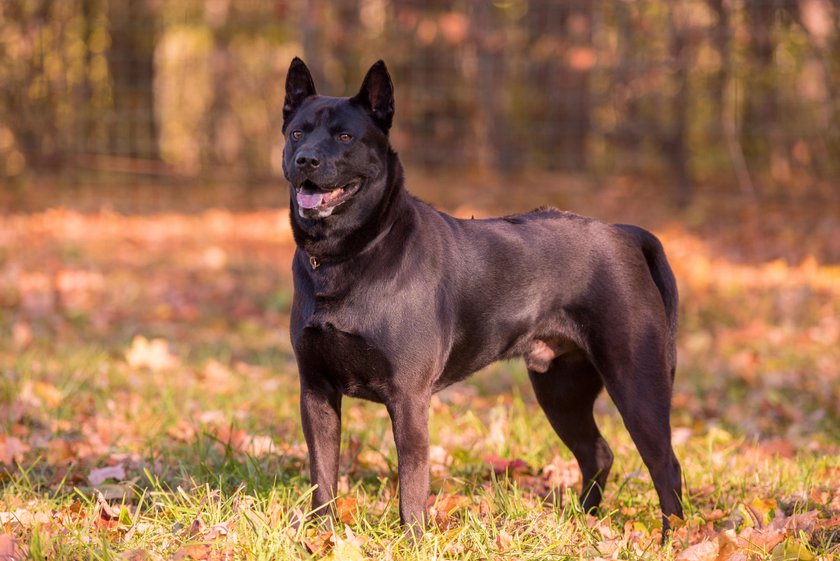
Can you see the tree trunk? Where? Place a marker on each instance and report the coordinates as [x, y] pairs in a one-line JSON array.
[[760, 122], [133, 131], [674, 142], [495, 136]]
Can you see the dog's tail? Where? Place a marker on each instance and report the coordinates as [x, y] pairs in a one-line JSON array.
[[665, 281]]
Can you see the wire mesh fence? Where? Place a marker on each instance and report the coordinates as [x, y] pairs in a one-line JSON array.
[[690, 91]]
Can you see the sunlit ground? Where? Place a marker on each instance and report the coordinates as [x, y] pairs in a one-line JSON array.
[[145, 355]]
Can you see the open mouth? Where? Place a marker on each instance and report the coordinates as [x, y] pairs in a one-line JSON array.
[[313, 197]]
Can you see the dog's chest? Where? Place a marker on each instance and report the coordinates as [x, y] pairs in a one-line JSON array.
[[349, 361]]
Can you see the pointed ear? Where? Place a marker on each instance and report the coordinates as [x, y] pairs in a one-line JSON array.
[[299, 86], [377, 95]]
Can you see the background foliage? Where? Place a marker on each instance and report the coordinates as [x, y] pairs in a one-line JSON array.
[[742, 92]]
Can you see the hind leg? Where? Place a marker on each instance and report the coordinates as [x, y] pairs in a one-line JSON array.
[[642, 395], [566, 392]]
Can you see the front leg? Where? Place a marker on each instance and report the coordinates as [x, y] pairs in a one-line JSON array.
[[320, 412], [410, 420]]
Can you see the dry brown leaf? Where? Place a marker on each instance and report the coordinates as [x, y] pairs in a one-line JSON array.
[[9, 549], [100, 475], [318, 543], [716, 514], [347, 509], [778, 447], [217, 532], [764, 540], [503, 540], [373, 460], [346, 550], [153, 354], [21, 334], [501, 465], [197, 552], [727, 545], [562, 474], [804, 522], [106, 511], [439, 461], [137, 555], [24, 517], [703, 551], [12, 450], [442, 507]]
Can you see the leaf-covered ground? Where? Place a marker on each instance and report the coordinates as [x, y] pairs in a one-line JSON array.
[[148, 398]]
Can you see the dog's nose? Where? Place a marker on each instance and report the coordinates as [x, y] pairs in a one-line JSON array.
[[307, 159]]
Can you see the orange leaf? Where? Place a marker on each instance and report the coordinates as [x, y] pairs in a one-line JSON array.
[[347, 509], [318, 543], [197, 552]]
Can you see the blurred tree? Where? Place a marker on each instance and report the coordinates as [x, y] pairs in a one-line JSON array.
[[674, 137], [683, 91], [721, 92], [498, 149], [560, 57], [759, 131], [426, 41], [133, 35]]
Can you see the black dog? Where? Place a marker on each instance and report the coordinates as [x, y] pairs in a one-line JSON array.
[[395, 300]]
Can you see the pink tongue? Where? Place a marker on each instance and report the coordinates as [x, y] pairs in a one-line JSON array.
[[305, 200]]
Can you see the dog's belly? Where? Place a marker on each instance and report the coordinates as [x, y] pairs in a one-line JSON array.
[[538, 346], [348, 361]]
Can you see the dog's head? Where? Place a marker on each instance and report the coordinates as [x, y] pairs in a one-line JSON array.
[[336, 147]]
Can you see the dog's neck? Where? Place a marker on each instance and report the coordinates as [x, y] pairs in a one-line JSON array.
[[323, 241]]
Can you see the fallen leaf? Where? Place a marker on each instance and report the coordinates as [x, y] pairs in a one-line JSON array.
[[197, 552], [21, 334], [439, 460], [716, 514], [217, 532], [804, 522], [703, 551], [12, 450], [562, 474], [47, 393], [153, 354], [135, 555], [727, 545], [25, 518], [764, 540], [9, 549], [347, 509], [442, 507], [792, 550], [317, 542], [347, 549], [100, 475], [503, 540], [778, 447], [501, 466]]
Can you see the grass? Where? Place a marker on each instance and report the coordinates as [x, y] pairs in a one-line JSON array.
[[193, 460], [204, 425]]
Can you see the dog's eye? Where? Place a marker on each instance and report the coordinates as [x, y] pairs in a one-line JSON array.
[[297, 135], [345, 137]]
